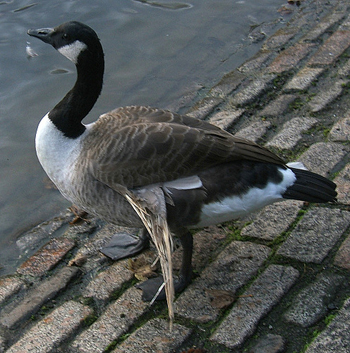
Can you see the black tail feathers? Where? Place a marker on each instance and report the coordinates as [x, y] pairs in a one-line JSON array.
[[311, 187]]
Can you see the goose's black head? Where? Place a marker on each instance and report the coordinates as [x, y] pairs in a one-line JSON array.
[[71, 39], [80, 44]]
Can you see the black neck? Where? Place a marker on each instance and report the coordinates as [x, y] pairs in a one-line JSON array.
[[72, 109]]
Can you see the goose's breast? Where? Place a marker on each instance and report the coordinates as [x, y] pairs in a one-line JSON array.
[[67, 164]]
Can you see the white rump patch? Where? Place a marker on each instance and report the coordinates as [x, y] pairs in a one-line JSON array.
[[72, 51], [234, 207]]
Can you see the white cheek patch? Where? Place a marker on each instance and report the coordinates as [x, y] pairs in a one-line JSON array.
[[72, 51]]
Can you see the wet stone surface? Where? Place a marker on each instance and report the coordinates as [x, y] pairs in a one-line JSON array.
[[46, 258]]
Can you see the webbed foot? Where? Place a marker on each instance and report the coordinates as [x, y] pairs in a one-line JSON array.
[[125, 245], [150, 288]]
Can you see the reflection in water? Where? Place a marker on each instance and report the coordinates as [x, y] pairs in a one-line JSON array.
[[159, 53]]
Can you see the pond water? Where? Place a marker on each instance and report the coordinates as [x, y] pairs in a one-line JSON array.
[[165, 54]]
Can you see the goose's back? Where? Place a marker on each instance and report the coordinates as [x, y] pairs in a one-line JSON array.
[[139, 146]]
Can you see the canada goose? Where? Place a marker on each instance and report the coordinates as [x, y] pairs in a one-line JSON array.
[[204, 174]]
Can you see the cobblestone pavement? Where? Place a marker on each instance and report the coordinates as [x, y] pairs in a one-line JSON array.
[[276, 282]]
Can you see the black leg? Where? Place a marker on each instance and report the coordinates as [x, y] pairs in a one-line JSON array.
[[125, 245], [151, 286], [186, 240]]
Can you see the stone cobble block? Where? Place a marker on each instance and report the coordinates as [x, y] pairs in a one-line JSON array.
[[9, 286], [346, 23], [205, 244], [31, 239], [255, 63], [205, 107], [2, 344], [325, 23], [305, 19], [278, 106], [335, 338], [315, 235], [340, 131], [227, 84], [51, 331], [255, 130], [326, 96], [310, 305], [322, 157], [47, 257], [90, 250], [303, 79], [81, 226], [252, 90], [269, 344], [290, 58], [226, 118], [155, 336], [233, 268], [333, 47], [273, 220], [254, 304], [113, 323], [108, 281], [342, 258], [37, 296], [291, 133], [280, 38], [344, 70], [343, 185]]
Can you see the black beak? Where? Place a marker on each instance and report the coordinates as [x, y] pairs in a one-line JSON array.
[[45, 34]]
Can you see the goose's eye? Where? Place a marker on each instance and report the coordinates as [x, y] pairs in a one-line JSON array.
[[65, 36]]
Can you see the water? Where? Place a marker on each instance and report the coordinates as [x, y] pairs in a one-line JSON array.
[[164, 54]]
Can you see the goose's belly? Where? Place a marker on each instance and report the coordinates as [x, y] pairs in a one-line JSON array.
[[99, 200]]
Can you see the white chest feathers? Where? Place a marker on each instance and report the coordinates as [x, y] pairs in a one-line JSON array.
[[56, 152]]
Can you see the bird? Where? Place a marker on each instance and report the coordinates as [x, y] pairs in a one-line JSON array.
[[137, 165]]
